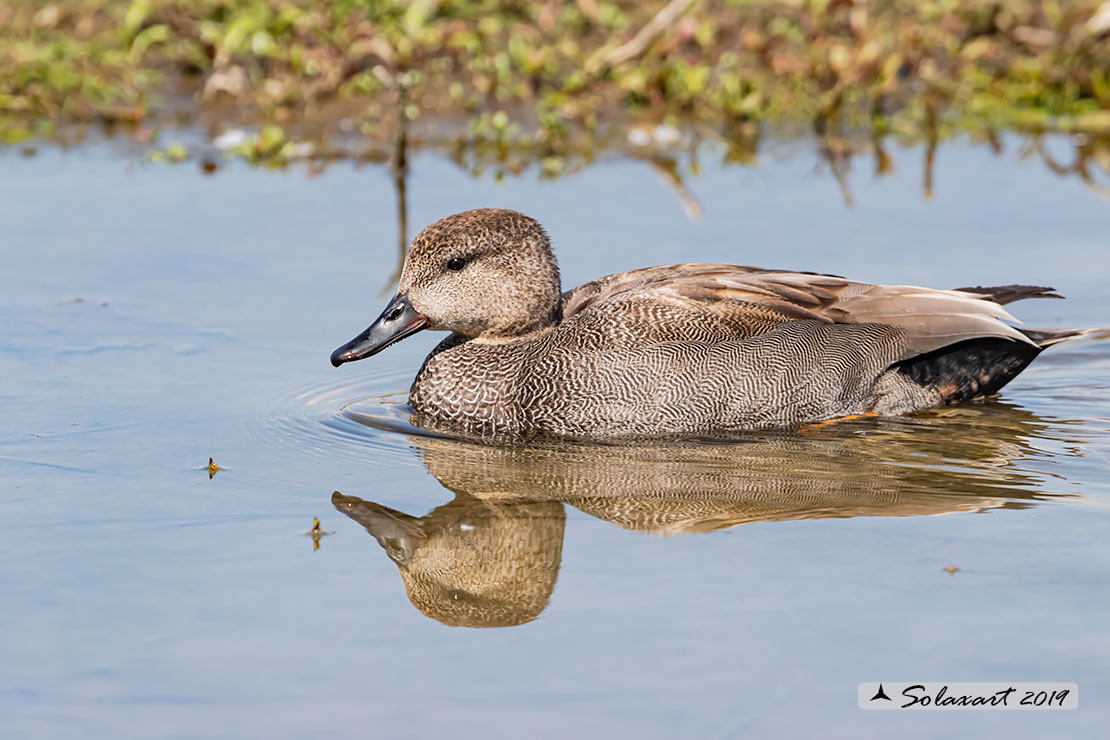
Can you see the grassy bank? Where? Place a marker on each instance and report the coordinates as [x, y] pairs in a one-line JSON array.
[[549, 80]]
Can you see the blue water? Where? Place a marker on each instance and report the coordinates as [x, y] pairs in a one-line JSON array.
[[153, 317]]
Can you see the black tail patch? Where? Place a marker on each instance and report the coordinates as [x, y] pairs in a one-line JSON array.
[[1003, 294], [970, 369]]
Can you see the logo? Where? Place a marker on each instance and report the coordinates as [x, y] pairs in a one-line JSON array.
[[880, 694], [941, 695]]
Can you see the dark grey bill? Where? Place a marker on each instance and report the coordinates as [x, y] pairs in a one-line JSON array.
[[399, 534], [397, 321]]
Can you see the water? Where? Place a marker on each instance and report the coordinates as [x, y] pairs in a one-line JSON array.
[[154, 317]]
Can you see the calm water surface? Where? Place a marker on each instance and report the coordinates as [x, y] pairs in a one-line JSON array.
[[153, 318]]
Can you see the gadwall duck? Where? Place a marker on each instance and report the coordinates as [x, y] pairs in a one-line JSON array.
[[677, 349]]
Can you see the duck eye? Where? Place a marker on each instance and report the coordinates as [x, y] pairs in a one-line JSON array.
[[455, 264]]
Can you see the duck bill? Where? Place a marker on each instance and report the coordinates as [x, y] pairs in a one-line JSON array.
[[398, 320], [399, 534]]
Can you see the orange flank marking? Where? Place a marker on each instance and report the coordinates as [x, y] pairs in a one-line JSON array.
[[815, 426]]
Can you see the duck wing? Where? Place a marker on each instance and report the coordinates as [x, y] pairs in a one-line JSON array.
[[749, 301]]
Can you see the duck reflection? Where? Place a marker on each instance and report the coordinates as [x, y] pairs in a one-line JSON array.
[[471, 563], [490, 557]]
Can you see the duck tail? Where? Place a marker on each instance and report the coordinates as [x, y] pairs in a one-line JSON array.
[[1003, 294], [1048, 337], [982, 366]]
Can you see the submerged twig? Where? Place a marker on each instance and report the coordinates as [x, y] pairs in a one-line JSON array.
[[667, 169], [930, 149], [635, 46], [400, 169]]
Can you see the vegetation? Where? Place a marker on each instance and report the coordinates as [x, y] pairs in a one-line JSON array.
[[550, 83]]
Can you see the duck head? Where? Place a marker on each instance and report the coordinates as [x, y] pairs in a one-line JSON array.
[[471, 563], [487, 273]]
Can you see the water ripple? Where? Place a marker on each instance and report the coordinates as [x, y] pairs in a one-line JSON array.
[[998, 448], [361, 417]]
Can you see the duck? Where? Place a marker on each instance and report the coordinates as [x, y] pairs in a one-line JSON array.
[[678, 350]]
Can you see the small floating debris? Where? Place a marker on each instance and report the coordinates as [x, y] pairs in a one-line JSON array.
[[232, 139], [213, 468], [79, 299], [175, 153], [951, 570], [301, 150], [317, 533], [662, 136]]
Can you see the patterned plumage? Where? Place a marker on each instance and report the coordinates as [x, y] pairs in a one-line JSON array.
[[679, 349]]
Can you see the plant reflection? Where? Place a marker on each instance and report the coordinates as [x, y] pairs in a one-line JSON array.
[[675, 158], [490, 557]]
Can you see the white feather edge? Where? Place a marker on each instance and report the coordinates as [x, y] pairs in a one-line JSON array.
[[924, 312]]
